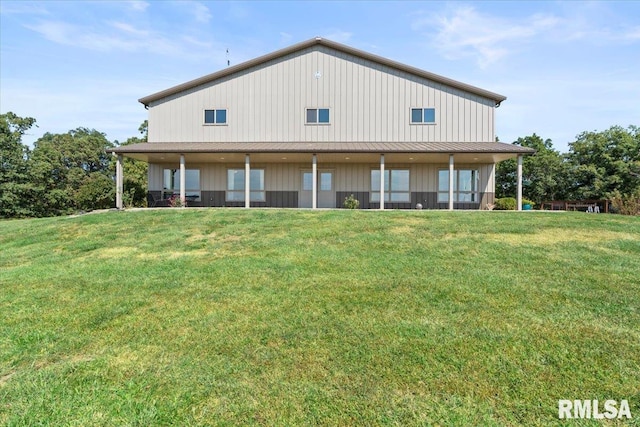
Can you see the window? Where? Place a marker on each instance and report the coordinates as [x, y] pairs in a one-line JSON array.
[[307, 181], [171, 184], [465, 186], [215, 117], [396, 185], [423, 115], [235, 185], [317, 115]]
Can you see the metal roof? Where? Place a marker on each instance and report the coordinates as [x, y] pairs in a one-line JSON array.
[[318, 41], [322, 147]]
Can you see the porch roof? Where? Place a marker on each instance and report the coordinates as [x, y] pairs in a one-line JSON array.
[[322, 147], [351, 152]]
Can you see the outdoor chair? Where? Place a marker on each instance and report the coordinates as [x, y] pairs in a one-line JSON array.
[[152, 200]]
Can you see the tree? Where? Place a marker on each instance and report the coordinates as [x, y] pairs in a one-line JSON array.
[[16, 192], [135, 172], [544, 174], [605, 164], [63, 164]]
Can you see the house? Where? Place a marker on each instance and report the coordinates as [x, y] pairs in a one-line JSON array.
[[310, 124]]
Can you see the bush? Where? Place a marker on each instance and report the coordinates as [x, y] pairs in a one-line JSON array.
[[96, 192], [626, 204], [351, 202], [505, 204], [528, 202]]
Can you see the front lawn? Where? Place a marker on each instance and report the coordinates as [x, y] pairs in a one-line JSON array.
[[288, 317]]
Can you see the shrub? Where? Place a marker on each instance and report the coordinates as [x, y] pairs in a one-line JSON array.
[[528, 202], [505, 204], [626, 204], [176, 202], [351, 202]]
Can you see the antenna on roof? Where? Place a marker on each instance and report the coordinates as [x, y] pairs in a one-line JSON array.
[[228, 62]]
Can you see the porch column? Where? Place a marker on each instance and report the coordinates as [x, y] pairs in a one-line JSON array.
[[183, 195], [519, 196], [382, 182], [451, 171], [247, 182], [314, 182], [119, 182]]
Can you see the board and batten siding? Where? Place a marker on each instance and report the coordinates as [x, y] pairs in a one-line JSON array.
[[348, 177], [368, 102]]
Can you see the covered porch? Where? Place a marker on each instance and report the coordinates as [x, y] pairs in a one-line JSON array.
[[320, 175]]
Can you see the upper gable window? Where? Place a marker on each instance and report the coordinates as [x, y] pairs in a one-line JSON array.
[[317, 116], [423, 115], [215, 117]]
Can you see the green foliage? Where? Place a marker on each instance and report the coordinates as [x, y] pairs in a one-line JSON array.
[[544, 174], [16, 190], [528, 202], [63, 163], [290, 317], [605, 164], [351, 202], [96, 192], [626, 204], [135, 173], [505, 204]]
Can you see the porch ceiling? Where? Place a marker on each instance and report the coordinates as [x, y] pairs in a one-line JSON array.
[[338, 152]]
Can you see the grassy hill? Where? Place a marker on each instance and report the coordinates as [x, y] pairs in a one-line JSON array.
[[280, 317]]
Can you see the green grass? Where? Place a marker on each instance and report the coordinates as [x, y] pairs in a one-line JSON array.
[[280, 317]]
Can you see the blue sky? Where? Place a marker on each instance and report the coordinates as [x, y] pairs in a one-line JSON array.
[[565, 67]]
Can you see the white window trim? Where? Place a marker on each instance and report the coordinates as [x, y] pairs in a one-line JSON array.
[[456, 192], [204, 113], [423, 123], [389, 192], [168, 192], [306, 123], [241, 192]]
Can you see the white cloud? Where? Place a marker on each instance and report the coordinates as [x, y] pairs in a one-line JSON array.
[[466, 32], [20, 8], [139, 5], [200, 12], [119, 36]]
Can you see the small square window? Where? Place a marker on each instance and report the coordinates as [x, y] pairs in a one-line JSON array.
[[323, 115], [416, 115], [221, 116], [312, 115], [429, 115], [209, 116]]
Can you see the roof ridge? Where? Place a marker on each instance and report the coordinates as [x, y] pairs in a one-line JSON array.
[[497, 98]]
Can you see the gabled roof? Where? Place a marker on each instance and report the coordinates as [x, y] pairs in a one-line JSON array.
[[318, 41]]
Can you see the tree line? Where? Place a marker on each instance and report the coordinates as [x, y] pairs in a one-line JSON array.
[[63, 173], [599, 165], [71, 172]]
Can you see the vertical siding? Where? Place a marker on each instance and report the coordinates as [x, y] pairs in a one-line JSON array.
[[368, 102]]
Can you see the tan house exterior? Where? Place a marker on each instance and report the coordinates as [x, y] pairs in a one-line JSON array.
[[313, 123]]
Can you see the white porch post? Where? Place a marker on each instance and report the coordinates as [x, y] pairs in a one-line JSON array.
[[451, 171], [382, 182], [119, 181], [247, 182], [183, 174], [314, 182], [519, 196]]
